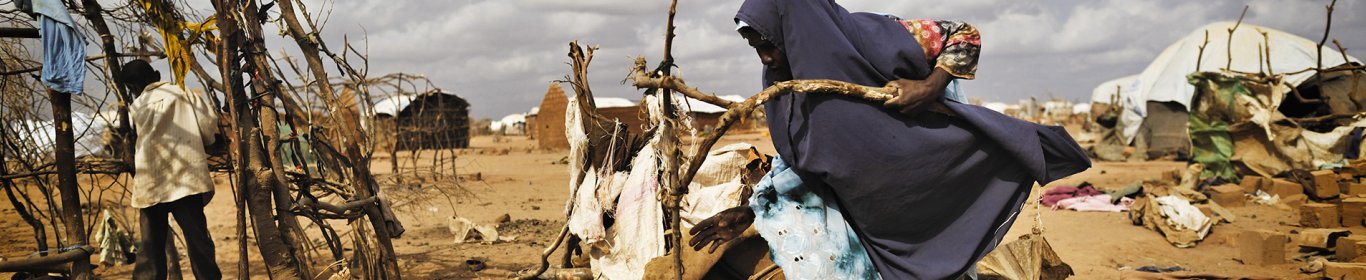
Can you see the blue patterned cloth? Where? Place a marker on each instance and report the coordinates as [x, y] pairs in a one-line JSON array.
[[954, 92], [806, 234]]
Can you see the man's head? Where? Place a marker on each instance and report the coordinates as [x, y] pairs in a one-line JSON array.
[[137, 74], [773, 57]]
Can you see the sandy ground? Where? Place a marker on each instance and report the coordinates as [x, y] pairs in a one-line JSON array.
[[529, 185]]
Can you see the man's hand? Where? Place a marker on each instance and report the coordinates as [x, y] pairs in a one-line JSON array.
[[721, 228], [916, 96]]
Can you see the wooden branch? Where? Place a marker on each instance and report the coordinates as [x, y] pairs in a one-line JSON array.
[[1326, 29], [1323, 118], [644, 79], [18, 32], [89, 58], [739, 111], [1229, 54], [1266, 43], [46, 262], [1200, 56], [545, 255], [1341, 50], [65, 155], [348, 207], [26, 175], [123, 131], [675, 233]]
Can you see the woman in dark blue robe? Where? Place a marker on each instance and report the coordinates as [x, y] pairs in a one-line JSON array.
[[929, 185]]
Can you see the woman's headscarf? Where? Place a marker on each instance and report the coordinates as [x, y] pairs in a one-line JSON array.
[[824, 41]]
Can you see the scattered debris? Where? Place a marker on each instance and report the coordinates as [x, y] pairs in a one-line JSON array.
[[475, 265], [1321, 239], [466, 231], [1029, 257], [1314, 265], [1156, 269], [1174, 217]]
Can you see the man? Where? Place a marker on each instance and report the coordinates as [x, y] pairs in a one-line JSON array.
[[172, 170], [918, 187]]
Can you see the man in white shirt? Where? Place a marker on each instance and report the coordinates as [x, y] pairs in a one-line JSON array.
[[173, 127]]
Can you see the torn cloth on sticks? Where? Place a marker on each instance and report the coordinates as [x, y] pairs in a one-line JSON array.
[[632, 199], [63, 48]]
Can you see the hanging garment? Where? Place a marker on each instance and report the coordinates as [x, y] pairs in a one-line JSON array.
[[63, 48]]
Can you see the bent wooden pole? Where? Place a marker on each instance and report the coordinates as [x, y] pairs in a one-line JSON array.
[[49, 262]]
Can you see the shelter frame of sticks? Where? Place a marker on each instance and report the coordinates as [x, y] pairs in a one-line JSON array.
[[293, 211]]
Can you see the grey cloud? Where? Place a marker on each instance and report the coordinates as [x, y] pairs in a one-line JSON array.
[[501, 54]]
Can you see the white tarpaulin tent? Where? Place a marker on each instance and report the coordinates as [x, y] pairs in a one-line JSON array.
[[88, 129], [1105, 90], [514, 124], [1165, 79]]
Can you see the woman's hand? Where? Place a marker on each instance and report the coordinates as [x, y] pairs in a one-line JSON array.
[[916, 96], [721, 228]]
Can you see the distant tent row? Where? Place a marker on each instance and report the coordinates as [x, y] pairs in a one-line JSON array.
[[1156, 102]]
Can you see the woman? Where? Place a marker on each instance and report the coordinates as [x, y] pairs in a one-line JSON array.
[[927, 185]]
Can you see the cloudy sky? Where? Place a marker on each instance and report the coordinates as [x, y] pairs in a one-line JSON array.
[[502, 54]]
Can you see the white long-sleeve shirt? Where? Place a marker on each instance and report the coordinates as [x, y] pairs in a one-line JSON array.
[[172, 128]]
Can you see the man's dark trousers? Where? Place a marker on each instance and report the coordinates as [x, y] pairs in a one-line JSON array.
[[189, 213]]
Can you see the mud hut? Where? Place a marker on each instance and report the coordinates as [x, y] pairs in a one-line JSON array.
[[434, 120], [545, 123]]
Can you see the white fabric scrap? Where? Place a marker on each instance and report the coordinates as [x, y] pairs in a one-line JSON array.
[[115, 242], [469, 231], [1181, 215]]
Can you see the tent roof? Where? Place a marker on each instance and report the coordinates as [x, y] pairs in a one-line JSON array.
[[394, 104], [1103, 91], [1165, 79], [613, 102], [513, 118]]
